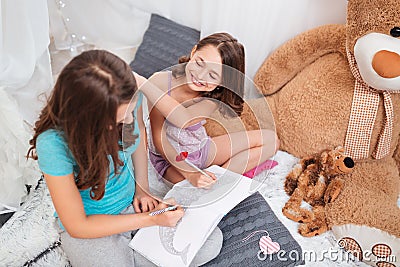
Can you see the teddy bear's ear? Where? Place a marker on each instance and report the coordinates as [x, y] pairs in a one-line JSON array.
[[340, 149], [324, 157]]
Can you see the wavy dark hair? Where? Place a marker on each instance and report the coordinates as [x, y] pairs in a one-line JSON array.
[[231, 89], [83, 107]]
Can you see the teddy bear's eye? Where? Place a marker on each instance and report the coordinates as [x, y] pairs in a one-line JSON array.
[[395, 32], [337, 157]]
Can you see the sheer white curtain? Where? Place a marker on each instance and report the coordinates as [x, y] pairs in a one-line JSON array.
[[107, 24], [24, 74], [25, 70], [263, 25]]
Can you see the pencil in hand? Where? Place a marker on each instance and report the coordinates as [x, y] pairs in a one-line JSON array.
[[157, 212], [183, 156]]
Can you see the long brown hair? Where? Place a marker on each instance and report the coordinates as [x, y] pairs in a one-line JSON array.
[[231, 89], [83, 107]]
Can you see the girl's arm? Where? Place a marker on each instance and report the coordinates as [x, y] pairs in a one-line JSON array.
[[68, 204], [143, 202], [172, 110], [169, 153]]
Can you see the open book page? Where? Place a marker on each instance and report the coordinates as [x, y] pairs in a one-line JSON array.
[[229, 189], [177, 246]]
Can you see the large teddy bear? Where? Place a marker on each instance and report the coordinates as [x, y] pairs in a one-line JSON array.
[[339, 85]]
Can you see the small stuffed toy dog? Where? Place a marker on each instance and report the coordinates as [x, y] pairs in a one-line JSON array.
[[318, 180]]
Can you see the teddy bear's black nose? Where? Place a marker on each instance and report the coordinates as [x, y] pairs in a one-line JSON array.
[[395, 32], [348, 162]]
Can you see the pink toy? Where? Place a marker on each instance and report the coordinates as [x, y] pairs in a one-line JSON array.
[[266, 165], [267, 246]]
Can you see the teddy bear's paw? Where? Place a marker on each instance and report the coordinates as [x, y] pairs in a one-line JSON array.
[[331, 196], [291, 179], [351, 246], [333, 191], [312, 229], [384, 264], [382, 251], [301, 216]]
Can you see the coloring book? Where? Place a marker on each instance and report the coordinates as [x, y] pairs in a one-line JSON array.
[[177, 246]]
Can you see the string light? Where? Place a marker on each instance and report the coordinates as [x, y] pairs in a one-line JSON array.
[[76, 43]]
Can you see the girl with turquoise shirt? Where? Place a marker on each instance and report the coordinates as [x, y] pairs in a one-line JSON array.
[[92, 173]]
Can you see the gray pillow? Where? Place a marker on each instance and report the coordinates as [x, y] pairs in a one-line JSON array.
[[253, 214], [163, 43]]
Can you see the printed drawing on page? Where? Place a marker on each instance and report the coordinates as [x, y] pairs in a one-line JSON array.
[[177, 246]]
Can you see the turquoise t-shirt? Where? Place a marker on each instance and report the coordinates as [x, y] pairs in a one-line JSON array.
[[56, 159]]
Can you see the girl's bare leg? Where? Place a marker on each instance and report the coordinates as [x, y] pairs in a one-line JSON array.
[[242, 151]]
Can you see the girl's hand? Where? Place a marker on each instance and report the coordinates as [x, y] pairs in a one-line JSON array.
[[168, 218], [142, 202], [198, 179]]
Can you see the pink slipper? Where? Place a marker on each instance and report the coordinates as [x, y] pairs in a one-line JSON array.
[[266, 165]]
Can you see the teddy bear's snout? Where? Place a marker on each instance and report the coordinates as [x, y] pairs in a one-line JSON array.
[[343, 165], [348, 162], [395, 32], [386, 64]]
